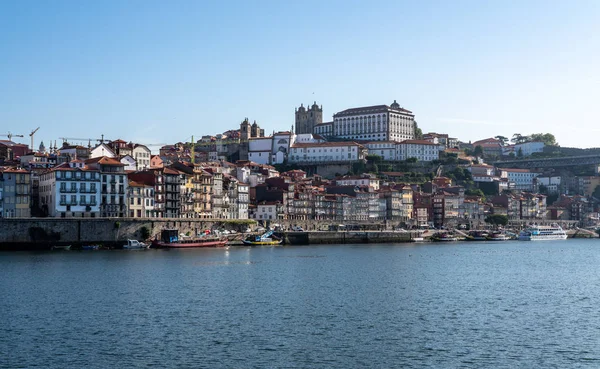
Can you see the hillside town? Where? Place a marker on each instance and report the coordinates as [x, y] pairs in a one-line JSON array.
[[367, 166]]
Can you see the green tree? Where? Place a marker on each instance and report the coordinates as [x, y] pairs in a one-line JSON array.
[[418, 132], [411, 160], [519, 138], [478, 150], [520, 153], [502, 139], [373, 158], [596, 192], [547, 138], [144, 233], [497, 219], [475, 192]]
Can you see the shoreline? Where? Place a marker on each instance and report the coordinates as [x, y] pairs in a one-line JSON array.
[[311, 238]]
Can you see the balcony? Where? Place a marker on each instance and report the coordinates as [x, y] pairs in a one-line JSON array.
[[66, 203], [87, 190], [68, 190]]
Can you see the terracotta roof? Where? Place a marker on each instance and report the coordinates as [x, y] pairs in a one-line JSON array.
[[515, 170], [370, 110], [135, 184], [13, 170], [419, 142], [170, 171], [326, 144]]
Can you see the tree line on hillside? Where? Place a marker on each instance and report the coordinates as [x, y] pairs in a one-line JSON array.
[[547, 138]]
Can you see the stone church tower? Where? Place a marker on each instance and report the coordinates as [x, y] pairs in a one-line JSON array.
[[308, 118]]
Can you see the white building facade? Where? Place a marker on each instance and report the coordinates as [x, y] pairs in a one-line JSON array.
[[375, 123], [522, 179], [326, 152], [70, 190], [385, 149], [142, 156], [420, 149]]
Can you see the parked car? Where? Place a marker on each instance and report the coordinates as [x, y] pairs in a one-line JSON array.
[[297, 229]]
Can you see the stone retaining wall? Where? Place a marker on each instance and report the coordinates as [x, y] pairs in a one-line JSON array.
[[100, 230]]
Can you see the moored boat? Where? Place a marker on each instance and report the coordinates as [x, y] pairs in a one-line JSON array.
[[170, 239], [498, 236], [90, 247], [477, 236], [543, 233], [267, 242], [444, 237], [61, 247], [267, 239], [135, 245]]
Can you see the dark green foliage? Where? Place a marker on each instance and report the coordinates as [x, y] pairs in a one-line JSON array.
[[144, 233], [373, 158], [418, 132], [474, 192], [596, 192], [497, 219], [358, 167]]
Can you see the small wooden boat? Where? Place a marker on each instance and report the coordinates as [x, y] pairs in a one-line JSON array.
[[170, 239], [477, 236], [263, 242], [498, 236], [61, 247], [90, 247], [135, 245], [444, 237], [267, 239]]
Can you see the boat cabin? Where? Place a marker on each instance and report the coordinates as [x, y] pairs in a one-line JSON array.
[[169, 235]]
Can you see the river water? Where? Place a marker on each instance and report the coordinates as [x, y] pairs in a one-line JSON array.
[[468, 305]]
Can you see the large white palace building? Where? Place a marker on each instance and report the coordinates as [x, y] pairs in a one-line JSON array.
[[375, 123]]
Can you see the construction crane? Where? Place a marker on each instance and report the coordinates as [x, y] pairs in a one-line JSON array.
[[89, 140], [31, 135], [10, 136]]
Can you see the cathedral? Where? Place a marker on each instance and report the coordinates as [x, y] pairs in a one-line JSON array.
[[308, 118]]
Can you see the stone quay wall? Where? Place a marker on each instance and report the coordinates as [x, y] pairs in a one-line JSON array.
[[48, 231], [315, 238]]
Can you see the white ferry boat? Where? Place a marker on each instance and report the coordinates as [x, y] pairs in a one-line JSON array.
[[542, 233]]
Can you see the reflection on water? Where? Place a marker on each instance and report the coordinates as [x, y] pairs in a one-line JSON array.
[[470, 305]]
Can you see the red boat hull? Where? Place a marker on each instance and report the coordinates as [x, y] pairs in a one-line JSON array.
[[185, 245]]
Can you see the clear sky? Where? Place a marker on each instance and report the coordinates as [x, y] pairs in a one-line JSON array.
[[162, 71]]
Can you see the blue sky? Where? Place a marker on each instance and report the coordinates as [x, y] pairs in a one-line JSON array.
[[160, 72]]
